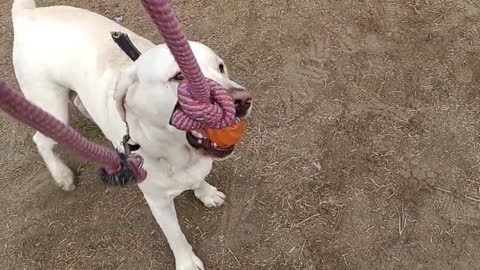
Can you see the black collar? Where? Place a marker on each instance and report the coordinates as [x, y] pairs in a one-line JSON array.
[[124, 42]]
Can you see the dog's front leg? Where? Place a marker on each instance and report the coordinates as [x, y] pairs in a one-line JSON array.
[[164, 212], [160, 195]]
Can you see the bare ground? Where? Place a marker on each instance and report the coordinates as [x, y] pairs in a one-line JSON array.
[[362, 153]]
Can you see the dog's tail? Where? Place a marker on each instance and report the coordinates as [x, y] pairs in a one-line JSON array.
[[22, 5]]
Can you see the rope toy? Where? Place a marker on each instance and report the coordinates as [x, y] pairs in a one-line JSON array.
[[202, 102], [120, 168], [124, 175]]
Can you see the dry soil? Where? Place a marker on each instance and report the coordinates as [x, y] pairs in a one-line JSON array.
[[362, 152]]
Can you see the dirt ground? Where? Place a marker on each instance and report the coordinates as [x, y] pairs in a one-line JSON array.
[[362, 152]]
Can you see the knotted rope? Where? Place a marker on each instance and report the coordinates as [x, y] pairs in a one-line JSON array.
[[120, 169], [203, 102]]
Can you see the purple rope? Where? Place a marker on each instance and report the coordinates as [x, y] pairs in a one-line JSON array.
[[14, 104], [203, 102]]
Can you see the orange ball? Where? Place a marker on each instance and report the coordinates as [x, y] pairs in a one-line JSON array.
[[227, 136]]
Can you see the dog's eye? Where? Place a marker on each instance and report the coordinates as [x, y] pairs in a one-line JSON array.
[[179, 77], [221, 67]]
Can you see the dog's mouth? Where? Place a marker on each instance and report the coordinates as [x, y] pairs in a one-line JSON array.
[[198, 140]]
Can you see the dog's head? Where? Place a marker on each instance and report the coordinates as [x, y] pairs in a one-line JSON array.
[[148, 91]]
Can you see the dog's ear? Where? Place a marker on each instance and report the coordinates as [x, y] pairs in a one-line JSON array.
[[126, 80]]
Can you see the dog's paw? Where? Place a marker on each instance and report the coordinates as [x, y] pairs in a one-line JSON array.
[[210, 198], [68, 187], [190, 263], [64, 178]]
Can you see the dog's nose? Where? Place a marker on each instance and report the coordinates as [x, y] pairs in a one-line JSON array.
[[243, 101]]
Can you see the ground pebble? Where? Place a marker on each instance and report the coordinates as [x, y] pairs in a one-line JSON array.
[[118, 19]]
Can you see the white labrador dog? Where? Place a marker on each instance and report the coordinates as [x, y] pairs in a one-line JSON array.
[[59, 50]]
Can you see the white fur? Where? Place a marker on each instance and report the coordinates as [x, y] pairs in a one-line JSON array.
[[58, 49]]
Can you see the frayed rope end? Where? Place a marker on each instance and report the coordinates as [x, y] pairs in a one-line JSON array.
[[130, 171]]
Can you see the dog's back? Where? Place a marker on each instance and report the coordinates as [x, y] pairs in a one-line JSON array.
[[79, 41]]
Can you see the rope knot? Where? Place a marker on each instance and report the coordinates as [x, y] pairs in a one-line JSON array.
[[216, 112], [129, 171]]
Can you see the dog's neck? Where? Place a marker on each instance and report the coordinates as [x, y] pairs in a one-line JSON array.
[[161, 143]]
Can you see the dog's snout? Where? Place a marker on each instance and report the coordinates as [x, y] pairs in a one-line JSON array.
[[243, 101]]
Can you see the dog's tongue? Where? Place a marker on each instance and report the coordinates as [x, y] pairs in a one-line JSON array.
[[228, 136]]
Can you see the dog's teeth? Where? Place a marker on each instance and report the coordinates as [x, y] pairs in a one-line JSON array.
[[197, 134], [199, 141], [214, 144]]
